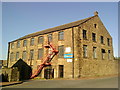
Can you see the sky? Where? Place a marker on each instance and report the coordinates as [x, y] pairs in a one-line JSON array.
[[22, 18]]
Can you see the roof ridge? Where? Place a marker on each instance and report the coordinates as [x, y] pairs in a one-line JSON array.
[[56, 28]]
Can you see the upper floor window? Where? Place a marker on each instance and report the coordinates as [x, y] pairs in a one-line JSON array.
[[94, 37], [95, 25], [109, 54], [84, 50], [24, 55], [40, 39], [12, 56], [94, 52], [24, 43], [17, 55], [102, 40], [61, 51], [12, 45], [32, 41], [103, 53], [18, 44], [84, 34], [108, 41], [40, 53], [31, 54], [50, 37], [61, 35]]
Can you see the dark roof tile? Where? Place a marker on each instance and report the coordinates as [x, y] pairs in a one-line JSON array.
[[61, 27]]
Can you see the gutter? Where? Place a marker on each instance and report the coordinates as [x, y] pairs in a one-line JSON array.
[[73, 53]]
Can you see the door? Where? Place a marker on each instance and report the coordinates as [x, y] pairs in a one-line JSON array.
[[48, 73], [61, 71]]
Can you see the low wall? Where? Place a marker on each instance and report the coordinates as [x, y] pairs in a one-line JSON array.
[[94, 68], [10, 74]]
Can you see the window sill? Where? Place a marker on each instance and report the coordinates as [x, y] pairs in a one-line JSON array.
[[60, 40], [95, 41], [40, 43], [85, 57], [95, 58], [85, 39], [30, 59], [61, 57], [102, 43]]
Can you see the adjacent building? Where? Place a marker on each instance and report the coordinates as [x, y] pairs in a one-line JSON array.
[[85, 49]]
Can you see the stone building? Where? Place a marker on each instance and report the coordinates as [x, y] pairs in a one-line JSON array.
[[3, 63], [85, 50]]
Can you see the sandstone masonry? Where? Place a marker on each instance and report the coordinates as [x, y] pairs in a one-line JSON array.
[[85, 50]]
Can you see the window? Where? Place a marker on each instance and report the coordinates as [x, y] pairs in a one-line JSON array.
[[17, 55], [18, 44], [50, 37], [61, 51], [24, 55], [24, 43], [103, 53], [40, 39], [102, 40], [108, 41], [94, 37], [94, 52], [84, 34], [84, 50], [12, 45], [12, 56], [32, 42], [31, 54], [95, 25], [40, 53], [61, 35], [108, 54]]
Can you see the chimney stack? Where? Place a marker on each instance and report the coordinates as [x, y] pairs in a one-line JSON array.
[[95, 13]]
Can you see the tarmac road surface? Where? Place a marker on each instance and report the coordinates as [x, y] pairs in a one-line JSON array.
[[110, 82]]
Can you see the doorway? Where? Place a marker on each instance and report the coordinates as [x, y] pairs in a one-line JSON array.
[[61, 71], [48, 73]]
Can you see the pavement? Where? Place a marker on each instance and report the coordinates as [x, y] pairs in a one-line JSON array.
[[109, 82], [2, 84]]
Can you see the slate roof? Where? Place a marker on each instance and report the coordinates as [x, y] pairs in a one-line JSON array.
[[57, 28]]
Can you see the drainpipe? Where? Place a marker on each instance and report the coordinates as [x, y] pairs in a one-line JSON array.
[[80, 48], [73, 52]]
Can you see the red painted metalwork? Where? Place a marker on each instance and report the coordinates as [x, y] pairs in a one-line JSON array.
[[46, 61]]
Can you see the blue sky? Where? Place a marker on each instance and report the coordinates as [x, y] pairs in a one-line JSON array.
[[22, 18]]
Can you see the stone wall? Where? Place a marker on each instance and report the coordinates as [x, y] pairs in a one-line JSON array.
[[94, 68], [73, 38], [10, 74]]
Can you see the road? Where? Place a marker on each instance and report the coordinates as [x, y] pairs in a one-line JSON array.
[[111, 82]]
